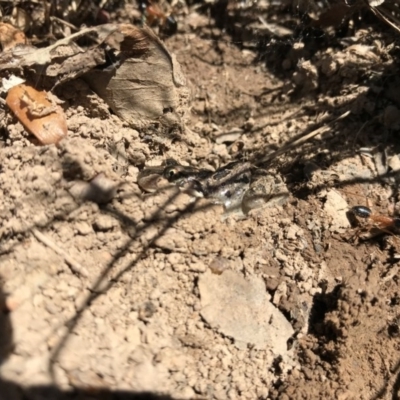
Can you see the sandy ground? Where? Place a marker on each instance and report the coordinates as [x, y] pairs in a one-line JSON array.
[[121, 299]]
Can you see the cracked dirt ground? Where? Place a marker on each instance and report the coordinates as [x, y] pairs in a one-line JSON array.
[[126, 317]]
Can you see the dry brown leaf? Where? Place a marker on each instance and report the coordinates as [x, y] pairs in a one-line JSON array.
[[38, 113], [147, 87], [135, 41]]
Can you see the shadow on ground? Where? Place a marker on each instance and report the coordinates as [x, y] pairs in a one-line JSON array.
[[11, 391]]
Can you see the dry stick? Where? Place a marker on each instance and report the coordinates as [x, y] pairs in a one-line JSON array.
[[61, 21], [74, 265], [301, 140], [42, 56], [384, 15], [359, 131]]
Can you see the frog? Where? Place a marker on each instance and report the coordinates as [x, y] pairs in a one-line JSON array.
[[227, 185], [151, 178], [188, 179], [269, 189], [171, 173], [230, 185]]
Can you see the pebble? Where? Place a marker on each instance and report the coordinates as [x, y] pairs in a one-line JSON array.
[[83, 228], [133, 335], [186, 393], [104, 223], [197, 267]]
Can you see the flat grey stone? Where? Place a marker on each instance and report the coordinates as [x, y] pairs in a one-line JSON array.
[[240, 308]]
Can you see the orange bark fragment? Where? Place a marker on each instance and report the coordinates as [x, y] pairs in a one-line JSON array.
[[38, 113], [10, 36]]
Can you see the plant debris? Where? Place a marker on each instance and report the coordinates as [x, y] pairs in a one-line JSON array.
[[39, 112]]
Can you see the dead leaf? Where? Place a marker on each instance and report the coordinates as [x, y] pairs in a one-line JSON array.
[[38, 113], [147, 86]]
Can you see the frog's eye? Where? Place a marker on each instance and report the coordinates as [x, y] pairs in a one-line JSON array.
[[170, 173]]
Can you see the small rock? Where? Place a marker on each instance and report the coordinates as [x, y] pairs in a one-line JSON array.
[[197, 267], [83, 228], [172, 359], [40, 219], [394, 163], [336, 207], [281, 291], [280, 256], [104, 223], [186, 393], [132, 335], [292, 232], [240, 308], [219, 265], [175, 258]]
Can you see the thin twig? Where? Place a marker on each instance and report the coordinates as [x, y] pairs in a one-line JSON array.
[[74, 265], [359, 131], [61, 21], [384, 15]]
